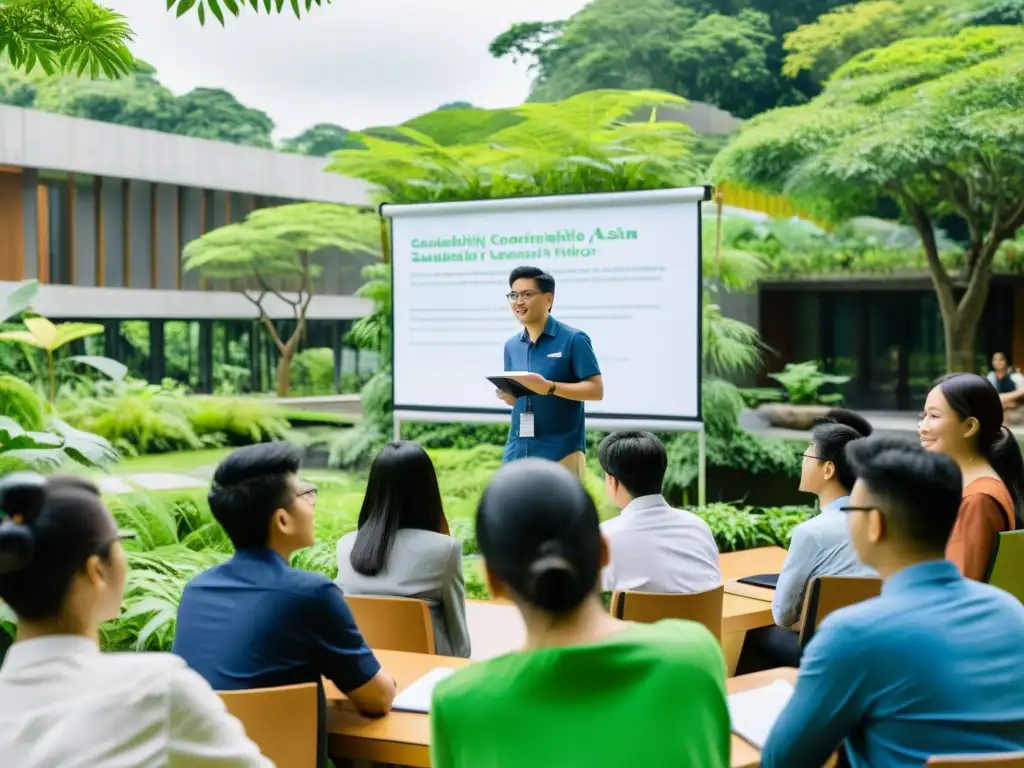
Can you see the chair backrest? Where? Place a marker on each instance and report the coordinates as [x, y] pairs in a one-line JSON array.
[[1007, 568], [647, 607], [393, 623], [281, 721], [1005, 760], [826, 594]]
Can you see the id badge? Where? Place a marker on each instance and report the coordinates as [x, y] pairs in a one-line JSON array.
[[526, 424]]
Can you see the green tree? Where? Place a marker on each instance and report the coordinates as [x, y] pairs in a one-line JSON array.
[[83, 36], [271, 254], [827, 43], [318, 140], [726, 52], [456, 105], [932, 124], [213, 113]]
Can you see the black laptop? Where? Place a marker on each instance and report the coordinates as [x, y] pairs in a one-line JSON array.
[[767, 580]]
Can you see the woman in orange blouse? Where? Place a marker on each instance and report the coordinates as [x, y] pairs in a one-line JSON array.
[[963, 418]]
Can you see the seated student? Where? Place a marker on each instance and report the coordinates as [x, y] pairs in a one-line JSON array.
[[62, 702], [256, 622], [653, 547], [1009, 382], [588, 689], [934, 665], [819, 547], [399, 549]]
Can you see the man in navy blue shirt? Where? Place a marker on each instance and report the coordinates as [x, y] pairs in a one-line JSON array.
[[256, 622], [564, 373], [935, 664]]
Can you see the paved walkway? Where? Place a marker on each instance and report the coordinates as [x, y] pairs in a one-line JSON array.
[[899, 423], [150, 481]]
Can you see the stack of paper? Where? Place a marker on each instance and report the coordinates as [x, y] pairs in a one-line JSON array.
[[416, 698], [754, 712]]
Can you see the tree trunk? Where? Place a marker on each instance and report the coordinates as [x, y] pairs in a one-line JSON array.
[[959, 335], [284, 370]]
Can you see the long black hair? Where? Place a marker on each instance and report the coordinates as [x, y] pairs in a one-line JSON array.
[[539, 533], [49, 528], [401, 493], [970, 395]]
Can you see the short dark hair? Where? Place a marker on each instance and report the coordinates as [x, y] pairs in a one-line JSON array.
[[636, 459], [919, 489], [830, 441], [539, 533], [49, 528], [401, 492], [850, 419], [249, 486], [545, 282]]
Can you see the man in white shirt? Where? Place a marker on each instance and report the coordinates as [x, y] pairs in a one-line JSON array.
[[654, 548]]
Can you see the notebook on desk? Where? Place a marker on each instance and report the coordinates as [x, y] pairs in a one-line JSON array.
[[767, 580], [416, 698], [754, 712]]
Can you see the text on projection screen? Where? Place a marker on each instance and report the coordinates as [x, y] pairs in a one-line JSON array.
[[626, 275]]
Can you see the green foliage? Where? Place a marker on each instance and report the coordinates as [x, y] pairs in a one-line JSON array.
[[827, 43], [78, 36], [312, 372], [746, 528], [803, 382], [57, 447], [930, 124], [575, 146], [724, 52], [141, 418], [373, 331], [318, 140], [18, 401]]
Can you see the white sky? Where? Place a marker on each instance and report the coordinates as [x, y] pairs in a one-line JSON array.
[[358, 63]]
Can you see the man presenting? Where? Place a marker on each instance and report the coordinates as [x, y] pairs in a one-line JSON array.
[[563, 374]]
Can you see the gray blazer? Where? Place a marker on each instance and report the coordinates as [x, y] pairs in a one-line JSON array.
[[424, 565]]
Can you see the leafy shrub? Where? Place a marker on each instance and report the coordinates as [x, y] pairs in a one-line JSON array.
[[803, 382], [18, 401], [237, 422], [458, 435], [737, 529], [312, 372], [755, 396]]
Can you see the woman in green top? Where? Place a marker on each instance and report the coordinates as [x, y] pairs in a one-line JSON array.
[[588, 690]]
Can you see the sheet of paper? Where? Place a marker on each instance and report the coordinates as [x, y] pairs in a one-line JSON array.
[[754, 712], [526, 424], [416, 698]]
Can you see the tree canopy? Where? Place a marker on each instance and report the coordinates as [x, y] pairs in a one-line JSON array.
[[583, 144], [931, 124], [318, 140], [726, 52], [270, 254], [825, 44], [78, 36]]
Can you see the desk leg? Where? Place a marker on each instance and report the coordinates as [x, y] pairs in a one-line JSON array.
[[732, 644]]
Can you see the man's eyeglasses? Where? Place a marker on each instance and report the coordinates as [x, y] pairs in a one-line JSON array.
[[812, 456], [122, 535], [309, 494], [856, 509], [515, 296]]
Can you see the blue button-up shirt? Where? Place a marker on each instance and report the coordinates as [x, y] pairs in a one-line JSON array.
[[820, 546], [933, 666], [560, 354]]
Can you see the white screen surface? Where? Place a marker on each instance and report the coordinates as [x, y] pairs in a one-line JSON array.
[[627, 272]]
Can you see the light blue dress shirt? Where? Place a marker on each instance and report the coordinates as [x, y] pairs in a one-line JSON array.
[[820, 547], [933, 666]]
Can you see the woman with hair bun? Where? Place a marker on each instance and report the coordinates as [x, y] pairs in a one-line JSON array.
[[588, 689], [963, 418], [62, 702]]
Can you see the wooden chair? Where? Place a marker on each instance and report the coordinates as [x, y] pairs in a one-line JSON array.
[[826, 594], [281, 721], [1005, 760], [647, 607], [1007, 568], [393, 623]]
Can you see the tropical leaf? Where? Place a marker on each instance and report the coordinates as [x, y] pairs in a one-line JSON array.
[[112, 369], [18, 299]]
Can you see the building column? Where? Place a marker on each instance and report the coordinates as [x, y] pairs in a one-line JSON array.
[[205, 356], [112, 340], [157, 358], [336, 336]]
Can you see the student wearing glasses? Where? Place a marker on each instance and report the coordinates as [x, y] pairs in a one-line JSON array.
[[402, 547], [256, 622], [934, 665], [548, 424], [588, 689], [62, 702]]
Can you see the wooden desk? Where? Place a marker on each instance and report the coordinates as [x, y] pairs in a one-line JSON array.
[[403, 738], [751, 562]]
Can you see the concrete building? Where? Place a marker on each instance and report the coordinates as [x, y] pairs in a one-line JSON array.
[[99, 214]]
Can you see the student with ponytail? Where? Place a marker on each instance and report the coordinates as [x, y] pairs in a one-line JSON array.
[[963, 418], [62, 702], [662, 685]]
